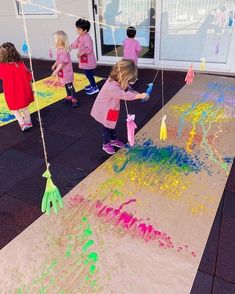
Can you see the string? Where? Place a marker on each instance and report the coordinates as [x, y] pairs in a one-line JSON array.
[[34, 86], [119, 69], [163, 101], [111, 26]]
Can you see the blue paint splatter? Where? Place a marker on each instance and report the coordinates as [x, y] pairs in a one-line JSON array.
[[171, 158], [228, 160], [46, 94], [6, 116]]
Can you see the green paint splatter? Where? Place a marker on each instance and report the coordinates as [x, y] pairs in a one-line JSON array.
[[87, 231], [84, 219], [92, 269], [93, 256], [68, 252], [87, 245]]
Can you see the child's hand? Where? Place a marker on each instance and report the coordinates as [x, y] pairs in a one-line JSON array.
[[141, 96], [53, 67], [54, 74]]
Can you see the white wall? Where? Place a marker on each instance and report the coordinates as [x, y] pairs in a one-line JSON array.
[[40, 29]]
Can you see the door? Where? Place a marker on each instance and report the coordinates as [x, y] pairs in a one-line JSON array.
[[195, 29], [121, 14]]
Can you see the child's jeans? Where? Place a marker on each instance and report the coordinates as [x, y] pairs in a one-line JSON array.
[[22, 115], [108, 134], [90, 76], [70, 90]]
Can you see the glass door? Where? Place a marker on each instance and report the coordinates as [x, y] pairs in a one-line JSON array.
[[195, 29], [121, 14]]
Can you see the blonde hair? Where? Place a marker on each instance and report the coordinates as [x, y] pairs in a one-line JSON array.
[[62, 40], [124, 72]]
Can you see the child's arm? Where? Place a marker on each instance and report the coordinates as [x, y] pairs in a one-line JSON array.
[[74, 45], [64, 58], [131, 95], [58, 68], [138, 48], [54, 66]]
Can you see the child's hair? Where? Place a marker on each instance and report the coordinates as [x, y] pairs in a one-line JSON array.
[[8, 53], [124, 72], [83, 24], [62, 40], [131, 32]]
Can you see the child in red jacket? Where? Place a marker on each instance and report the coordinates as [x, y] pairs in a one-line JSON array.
[[17, 86]]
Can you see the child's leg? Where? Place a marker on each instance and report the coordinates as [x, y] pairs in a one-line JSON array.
[[26, 114], [90, 76], [18, 116], [68, 98], [73, 94], [112, 134], [114, 141], [106, 135]]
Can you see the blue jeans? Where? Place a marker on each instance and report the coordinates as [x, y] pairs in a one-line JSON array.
[[90, 76]]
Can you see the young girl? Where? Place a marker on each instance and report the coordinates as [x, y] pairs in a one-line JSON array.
[[16, 84], [107, 105], [63, 67], [132, 47], [86, 56]]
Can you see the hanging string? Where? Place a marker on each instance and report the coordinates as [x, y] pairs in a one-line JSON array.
[[111, 26], [34, 85], [119, 69], [163, 100]]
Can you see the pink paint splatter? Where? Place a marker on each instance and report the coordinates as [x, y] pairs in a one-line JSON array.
[[131, 224]]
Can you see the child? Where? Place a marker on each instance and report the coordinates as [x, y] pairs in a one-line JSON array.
[[63, 67], [86, 56], [17, 85], [107, 104], [132, 47]]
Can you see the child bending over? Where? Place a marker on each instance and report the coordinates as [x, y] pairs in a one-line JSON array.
[[107, 104]]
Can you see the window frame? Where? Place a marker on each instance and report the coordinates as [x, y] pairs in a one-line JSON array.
[[36, 16]]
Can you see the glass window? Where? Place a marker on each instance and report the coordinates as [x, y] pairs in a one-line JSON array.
[[124, 13], [195, 29], [30, 9]]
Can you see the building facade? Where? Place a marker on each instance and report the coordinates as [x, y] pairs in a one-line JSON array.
[[173, 33]]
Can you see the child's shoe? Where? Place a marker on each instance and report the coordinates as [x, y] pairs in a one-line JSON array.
[[75, 103], [29, 124], [24, 127], [93, 90], [117, 143], [108, 148], [68, 99], [87, 88]]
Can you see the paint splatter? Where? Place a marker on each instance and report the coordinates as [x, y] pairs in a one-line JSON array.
[[201, 116], [78, 263], [168, 157], [151, 168], [129, 223], [45, 94], [5, 115]]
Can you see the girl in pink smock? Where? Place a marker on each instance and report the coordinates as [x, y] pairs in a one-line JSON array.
[[63, 67], [86, 55], [131, 47], [107, 104]]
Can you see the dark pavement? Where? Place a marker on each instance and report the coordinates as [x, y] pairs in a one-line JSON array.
[[74, 149]]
